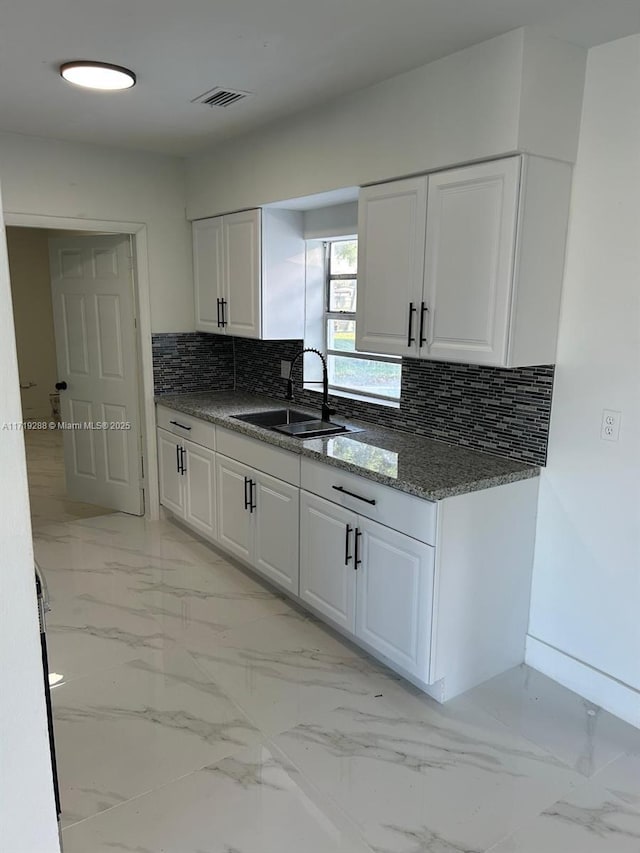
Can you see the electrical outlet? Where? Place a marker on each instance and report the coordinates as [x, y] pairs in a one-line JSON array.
[[610, 429], [285, 369]]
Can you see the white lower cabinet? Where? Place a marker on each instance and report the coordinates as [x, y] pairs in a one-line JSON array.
[[394, 596], [172, 494], [439, 591], [327, 578], [258, 521], [234, 518], [276, 531], [369, 580], [187, 481]]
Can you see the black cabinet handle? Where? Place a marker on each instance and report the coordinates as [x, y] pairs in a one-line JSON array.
[[218, 309], [423, 313], [183, 455], [61, 386], [347, 534], [357, 560], [223, 304], [246, 497], [182, 426], [353, 495], [412, 311], [252, 503], [178, 458]]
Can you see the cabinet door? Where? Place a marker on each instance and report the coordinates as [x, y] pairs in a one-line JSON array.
[[208, 270], [391, 233], [470, 247], [276, 539], [327, 576], [171, 481], [394, 596], [200, 497], [235, 526], [242, 281]]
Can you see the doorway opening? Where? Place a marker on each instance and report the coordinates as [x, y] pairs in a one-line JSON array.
[[76, 334]]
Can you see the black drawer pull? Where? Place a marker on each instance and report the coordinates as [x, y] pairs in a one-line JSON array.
[[252, 504], [183, 467], [246, 494], [218, 301], [352, 495], [182, 426], [358, 560], [223, 305], [178, 458]]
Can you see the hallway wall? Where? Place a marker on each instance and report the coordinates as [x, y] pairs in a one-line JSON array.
[[33, 317]]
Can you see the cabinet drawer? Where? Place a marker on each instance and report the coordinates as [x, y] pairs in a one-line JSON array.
[[194, 429], [264, 457], [406, 513]]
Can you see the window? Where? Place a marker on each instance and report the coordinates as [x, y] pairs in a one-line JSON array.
[[350, 371]]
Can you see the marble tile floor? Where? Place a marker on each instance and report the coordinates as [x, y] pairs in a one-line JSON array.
[[197, 711], [47, 490]]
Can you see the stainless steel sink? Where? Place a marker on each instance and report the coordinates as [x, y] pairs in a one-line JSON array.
[[294, 423], [277, 417]]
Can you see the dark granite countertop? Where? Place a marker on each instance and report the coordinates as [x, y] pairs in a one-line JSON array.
[[419, 466]]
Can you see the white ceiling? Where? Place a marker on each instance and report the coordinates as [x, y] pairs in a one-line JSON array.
[[291, 54]]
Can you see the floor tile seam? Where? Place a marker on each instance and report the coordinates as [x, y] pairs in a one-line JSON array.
[[224, 690], [320, 793], [99, 672], [547, 750], [147, 793]]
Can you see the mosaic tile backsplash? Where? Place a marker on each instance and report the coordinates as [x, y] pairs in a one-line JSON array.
[[505, 412], [192, 361]]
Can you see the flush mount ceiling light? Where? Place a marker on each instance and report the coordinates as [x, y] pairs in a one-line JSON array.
[[97, 75]]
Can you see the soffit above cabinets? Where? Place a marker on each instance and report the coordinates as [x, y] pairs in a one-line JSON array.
[[291, 55]]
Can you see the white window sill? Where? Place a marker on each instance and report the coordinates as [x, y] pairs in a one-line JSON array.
[[362, 398]]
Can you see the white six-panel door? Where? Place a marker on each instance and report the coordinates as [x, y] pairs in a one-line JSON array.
[[93, 311], [391, 233], [394, 596], [242, 258], [469, 257], [327, 576]]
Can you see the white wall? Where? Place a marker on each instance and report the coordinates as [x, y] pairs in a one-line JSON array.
[[33, 318], [52, 178], [488, 100], [586, 587], [27, 809]]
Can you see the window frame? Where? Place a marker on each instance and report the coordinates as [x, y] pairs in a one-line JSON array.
[[328, 315]]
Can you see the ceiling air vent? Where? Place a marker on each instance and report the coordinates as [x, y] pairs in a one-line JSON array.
[[220, 97]]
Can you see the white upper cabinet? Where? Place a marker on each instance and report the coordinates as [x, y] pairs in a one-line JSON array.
[[469, 256], [391, 232], [249, 274], [242, 291], [478, 256], [208, 273]]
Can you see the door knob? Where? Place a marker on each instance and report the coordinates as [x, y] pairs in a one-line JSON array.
[[61, 386]]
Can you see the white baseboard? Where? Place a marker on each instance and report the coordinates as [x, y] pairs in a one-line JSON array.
[[614, 696]]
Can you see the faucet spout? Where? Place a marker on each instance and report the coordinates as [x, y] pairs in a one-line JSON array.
[[327, 411]]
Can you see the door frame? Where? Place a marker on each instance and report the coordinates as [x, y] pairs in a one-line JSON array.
[[141, 295]]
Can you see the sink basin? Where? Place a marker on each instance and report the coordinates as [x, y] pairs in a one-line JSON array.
[[277, 417], [312, 429], [294, 423]]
